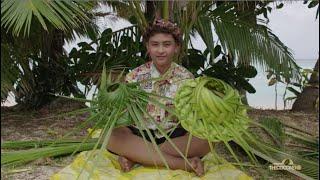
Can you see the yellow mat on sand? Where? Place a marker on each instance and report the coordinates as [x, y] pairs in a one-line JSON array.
[[104, 165]]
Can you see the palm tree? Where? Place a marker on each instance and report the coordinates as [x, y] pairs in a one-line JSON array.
[[32, 47], [243, 39], [256, 45], [246, 40], [308, 99]]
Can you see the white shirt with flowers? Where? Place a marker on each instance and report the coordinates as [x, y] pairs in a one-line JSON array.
[[167, 86]]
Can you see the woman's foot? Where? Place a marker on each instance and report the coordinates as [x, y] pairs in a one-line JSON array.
[[197, 166], [125, 163]]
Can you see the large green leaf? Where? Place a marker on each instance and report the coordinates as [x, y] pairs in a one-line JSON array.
[[248, 42], [45, 25], [12, 70], [64, 15], [278, 153], [203, 27], [256, 46], [310, 169]]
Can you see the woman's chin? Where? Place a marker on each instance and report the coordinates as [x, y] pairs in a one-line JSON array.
[[162, 61]]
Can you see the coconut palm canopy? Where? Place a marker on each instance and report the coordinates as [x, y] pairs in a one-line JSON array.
[[243, 37], [33, 34]]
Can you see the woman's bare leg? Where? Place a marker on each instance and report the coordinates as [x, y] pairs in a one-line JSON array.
[[196, 164], [125, 163], [134, 148], [197, 148]]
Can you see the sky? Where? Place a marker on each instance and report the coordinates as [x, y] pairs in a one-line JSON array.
[[295, 25]]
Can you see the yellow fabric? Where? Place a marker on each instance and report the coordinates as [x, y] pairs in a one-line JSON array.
[[104, 165]]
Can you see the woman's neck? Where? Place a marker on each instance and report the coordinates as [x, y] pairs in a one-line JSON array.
[[162, 69]]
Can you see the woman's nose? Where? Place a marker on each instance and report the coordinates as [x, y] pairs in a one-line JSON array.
[[161, 49]]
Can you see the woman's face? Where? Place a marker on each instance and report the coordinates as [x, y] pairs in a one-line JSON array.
[[161, 48]]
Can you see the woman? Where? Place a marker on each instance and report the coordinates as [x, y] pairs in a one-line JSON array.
[[163, 40]]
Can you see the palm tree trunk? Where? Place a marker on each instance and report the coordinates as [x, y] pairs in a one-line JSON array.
[[150, 11], [306, 101]]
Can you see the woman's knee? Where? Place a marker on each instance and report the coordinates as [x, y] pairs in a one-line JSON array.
[[118, 139], [120, 132], [201, 145], [205, 148]]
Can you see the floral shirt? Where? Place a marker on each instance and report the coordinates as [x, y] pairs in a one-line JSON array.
[[167, 86]]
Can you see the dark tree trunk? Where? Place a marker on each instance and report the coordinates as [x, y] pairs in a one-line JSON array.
[[306, 101], [154, 10], [150, 10], [247, 8], [171, 10]]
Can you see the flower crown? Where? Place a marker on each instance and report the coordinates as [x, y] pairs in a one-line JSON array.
[[164, 26], [164, 23], [169, 25]]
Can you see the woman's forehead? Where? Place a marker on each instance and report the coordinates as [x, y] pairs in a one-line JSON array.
[[161, 37]]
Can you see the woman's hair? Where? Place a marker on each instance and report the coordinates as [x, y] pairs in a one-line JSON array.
[[163, 26]]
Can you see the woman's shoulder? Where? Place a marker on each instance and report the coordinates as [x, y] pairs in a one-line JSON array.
[[142, 69], [182, 71]]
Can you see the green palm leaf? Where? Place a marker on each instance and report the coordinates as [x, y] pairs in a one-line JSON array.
[[24, 156], [12, 70], [248, 43], [121, 8], [48, 19], [204, 28], [310, 169], [255, 44], [63, 15], [275, 154]]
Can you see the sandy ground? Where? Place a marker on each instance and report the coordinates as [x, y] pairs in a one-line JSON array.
[[44, 124]]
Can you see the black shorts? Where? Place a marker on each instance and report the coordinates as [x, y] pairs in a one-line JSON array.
[[179, 131]]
